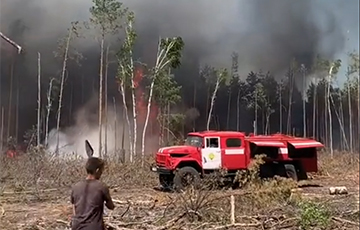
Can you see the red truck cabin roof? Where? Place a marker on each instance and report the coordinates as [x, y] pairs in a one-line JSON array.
[[211, 133]]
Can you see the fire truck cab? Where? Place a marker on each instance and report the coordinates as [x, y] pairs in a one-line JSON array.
[[209, 151]]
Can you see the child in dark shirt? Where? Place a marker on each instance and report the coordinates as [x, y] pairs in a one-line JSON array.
[[88, 197]]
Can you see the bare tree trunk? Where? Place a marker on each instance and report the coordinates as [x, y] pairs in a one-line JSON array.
[[133, 97], [280, 109], [71, 100], [326, 132], [291, 88], [256, 112], [123, 93], [314, 110], [2, 129], [207, 100], [267, 123], [228, 111], [195, 91], [17, 110], [115, 126], [48, 108], [101, 92], [61, 91], [123, 138], [238, 111], [82, 88], [217, 85], [304, 102], [330, 116], [341, 124], [358, 113], [10, 98], [39, 100], [168, 123], [341, 115], [147, 120], [350, 113], [106, 100]]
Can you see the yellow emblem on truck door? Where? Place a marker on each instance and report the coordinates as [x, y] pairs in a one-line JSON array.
[[211, 156]]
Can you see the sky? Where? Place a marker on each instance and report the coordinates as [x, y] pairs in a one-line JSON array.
[[348, 16]]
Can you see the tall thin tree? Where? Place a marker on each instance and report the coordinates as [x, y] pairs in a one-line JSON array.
[[105, 16]]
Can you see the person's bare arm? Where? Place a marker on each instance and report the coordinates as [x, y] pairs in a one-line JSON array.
[[108, 200]]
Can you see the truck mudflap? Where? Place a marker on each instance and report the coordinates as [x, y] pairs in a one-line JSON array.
[[160, 170]]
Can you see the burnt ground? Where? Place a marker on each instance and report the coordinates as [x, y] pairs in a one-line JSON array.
[[140, 206]]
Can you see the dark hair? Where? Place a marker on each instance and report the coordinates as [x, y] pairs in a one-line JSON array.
[[93, 164]]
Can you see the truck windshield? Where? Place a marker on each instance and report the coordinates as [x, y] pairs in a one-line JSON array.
[[194, 141]]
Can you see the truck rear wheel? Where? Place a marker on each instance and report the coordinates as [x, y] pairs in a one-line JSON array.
[[291, 171], [185, 177]]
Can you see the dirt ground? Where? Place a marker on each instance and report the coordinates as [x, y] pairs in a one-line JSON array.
[[143, 207]]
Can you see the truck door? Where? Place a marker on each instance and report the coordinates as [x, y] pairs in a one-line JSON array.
[[234, 157], [211, 153]]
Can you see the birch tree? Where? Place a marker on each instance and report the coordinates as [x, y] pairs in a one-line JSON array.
[[168, 56], [332, 68], [303, 71], [126, 75], [167, 94], [106, 17], [65, 54], [216, 78]]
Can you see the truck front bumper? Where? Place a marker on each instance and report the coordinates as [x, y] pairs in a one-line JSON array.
[[160, 170]]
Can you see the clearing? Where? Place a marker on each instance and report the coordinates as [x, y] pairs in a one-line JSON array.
[[272, 205]]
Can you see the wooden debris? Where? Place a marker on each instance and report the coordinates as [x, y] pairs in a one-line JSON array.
[[338, 190]]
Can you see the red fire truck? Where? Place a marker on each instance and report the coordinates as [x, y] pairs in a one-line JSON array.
[[207, 152]]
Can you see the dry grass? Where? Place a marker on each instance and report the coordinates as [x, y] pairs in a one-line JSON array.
[[34, 195]]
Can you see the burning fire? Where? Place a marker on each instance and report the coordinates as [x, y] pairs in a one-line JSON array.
[[141, 104]]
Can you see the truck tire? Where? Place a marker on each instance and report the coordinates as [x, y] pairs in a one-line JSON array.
[[185, 177], [166, 181], [291, 171]]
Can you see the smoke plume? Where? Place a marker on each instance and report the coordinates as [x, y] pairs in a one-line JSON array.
[[266, 34]]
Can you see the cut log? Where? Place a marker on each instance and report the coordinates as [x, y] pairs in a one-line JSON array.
[[338, 190]]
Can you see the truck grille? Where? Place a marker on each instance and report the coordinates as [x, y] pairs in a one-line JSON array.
[[160, 160]]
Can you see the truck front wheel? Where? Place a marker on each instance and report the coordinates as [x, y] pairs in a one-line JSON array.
[[291, 171], [185, 177], [166, 181]]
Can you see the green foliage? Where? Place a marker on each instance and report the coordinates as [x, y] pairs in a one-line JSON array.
[[176, 122], [313, 214], [166, 90], [174, 47], [125, 54], [326, 65], [354, 63], [107, 15], [212, 76], [222, 75], [66, 43]]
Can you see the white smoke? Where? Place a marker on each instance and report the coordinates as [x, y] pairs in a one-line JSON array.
[[72, 139]]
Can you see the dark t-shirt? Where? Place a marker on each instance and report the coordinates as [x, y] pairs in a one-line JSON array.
[[89, 196]]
